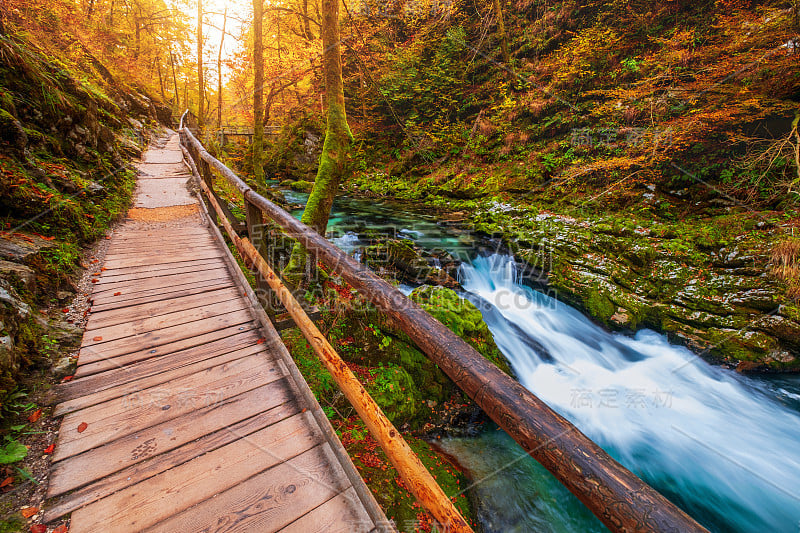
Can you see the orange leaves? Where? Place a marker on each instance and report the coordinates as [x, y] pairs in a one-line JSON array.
[[82, 427], [6, 482], [28, 512], [50, 449], [36, 415], [117, 293], [38, 528], [97, 339]]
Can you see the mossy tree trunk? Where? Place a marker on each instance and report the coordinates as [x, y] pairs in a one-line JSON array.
[[338, 139], [258, 91], [501, 31]]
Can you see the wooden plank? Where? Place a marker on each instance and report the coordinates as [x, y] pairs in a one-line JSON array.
[[157, 283], [143, 250], [145, 260], [164, 346], [153, 271], [268, 501], [142, 326], [123, 416], [156, 295], [101, 319], [132, 387], [159, 463], [155, 365], [100, 462], [124, 234], [341, 514], [134, 509]]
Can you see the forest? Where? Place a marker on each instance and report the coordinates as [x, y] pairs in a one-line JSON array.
[[601, 197]]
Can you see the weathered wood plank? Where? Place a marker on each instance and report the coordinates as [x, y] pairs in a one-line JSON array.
[[341, 514], [151, 339], [147, 271], [146, 260], [123, 416], [167, 347], [268, 501], [124, 452], [166, 242], [132, 313], [160, 463], [156, 284], [132, 387], [157, 295], [99, 336], [135, 509], [117, 376]]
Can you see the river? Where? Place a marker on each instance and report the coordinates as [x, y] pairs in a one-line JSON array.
[[723, 446]]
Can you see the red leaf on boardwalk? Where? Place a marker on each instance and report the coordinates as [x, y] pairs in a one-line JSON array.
[[117, 293], [67, 378], [36, 415], [38, 528], [94, 280], [97, 339], [7, 481], [29, 511], [82, 427], [50, 449], [261, 341]]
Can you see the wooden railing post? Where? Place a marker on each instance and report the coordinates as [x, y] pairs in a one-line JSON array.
[[208, 179], [259, 234]]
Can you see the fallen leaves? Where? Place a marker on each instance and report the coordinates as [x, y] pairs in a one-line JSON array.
[[67, 378], [28, 512], [262, 340], [82, 427], [61, 529], [38, 528], [117, 293], [50, 449], [97, 339], [36, 415], [7, 481], [95, 280]]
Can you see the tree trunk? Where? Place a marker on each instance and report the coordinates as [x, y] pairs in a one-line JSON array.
[[306, 24], [200, 84], [219, 69], [338, 139], [501, 31], [174, 80], [258, 91], [160, 79]]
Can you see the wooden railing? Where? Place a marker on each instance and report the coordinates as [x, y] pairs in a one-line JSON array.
[[622, 501]]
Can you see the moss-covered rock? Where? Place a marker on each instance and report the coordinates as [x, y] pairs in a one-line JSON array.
[[301, 186], [462, 318]]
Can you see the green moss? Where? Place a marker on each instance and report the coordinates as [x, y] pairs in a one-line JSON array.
[[598, 304], [462, 318], [302, 186]]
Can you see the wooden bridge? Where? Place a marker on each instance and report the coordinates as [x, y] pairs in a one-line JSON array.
[[187, 412]]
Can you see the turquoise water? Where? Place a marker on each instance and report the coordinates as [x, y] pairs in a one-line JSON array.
[[724, 447]]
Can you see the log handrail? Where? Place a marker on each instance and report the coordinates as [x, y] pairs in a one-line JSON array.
[[621, 500]]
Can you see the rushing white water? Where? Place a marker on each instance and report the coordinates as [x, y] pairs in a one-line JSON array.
[[713, 441]]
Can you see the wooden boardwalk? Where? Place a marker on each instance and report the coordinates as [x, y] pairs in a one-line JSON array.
[[186, 412]]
